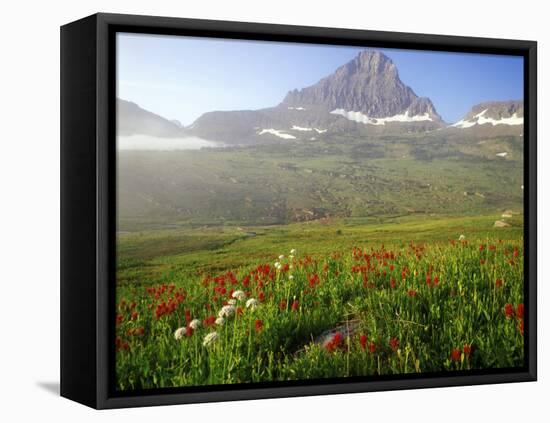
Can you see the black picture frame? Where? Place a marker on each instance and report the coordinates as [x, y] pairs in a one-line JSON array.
[[88, 204]]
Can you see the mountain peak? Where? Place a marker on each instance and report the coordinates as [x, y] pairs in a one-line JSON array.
[[372, 62], [494, 113], [369, 84]]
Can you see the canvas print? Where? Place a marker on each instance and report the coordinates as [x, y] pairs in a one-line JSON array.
[[297, 212]]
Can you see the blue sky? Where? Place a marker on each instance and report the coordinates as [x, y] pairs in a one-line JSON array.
[[183, 77]]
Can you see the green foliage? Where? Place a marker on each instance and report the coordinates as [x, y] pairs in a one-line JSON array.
[[422, 300]]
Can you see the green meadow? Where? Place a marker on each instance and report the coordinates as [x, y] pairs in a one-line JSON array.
[[324, 259]]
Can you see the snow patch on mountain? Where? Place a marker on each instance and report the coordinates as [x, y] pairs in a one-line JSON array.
[[277, 133], [363, 118], [301, 128], [296, 108], [480, 119]]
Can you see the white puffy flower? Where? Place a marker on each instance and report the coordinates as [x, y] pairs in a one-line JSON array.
[[252, 303], [281, 257], [179, 333], [232, 301], [210, 338], [227, 311], [220, 321], [290, 277], [290, 266], [277, 265], [239, 295], [293, 251], [195, 324], [461, 238]]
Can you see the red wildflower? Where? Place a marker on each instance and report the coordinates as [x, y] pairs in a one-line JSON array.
[[436, 281], [188, 331], [313, 280], [509, 310], [372, 347], [455, 354], [467, 349], [481, 247], [119, 319], [411, 293], [121, 345], [187, 316], [428, 280], [394, 344], [258, 324], [520, 311], [239, 311], [363, 341], [521, 326], [282, 305], [295, 305], [209, 321], [516, 252], [134, 315], [246, 281], [261, 297], [160, 310], [498, 283], [393, 283], [334, 342]]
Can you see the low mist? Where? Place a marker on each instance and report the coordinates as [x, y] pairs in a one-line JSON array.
[[152, 143]]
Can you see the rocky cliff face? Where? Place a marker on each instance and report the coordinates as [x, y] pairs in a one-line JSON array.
[[368, 84]]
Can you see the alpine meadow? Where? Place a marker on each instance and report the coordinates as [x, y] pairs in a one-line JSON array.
[[349, 230]]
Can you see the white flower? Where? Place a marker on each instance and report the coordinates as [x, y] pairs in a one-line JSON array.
[[277, 265], [281, 257], [290, 266], [220, 321], [290, 277], [210, 338], [179, 333], [232, 302], [252, 303], [195, 324], [239, 295], [293, 251], [461, 238], [227, 311]]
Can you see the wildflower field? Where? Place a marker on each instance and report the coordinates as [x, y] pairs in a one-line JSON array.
[[334, 298]]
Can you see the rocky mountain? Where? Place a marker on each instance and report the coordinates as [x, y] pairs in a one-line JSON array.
[[364, 96], [493, 118], [493, 113], [369, 85], [133, 120]]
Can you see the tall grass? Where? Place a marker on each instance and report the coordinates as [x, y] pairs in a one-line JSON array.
[[423, 307]]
